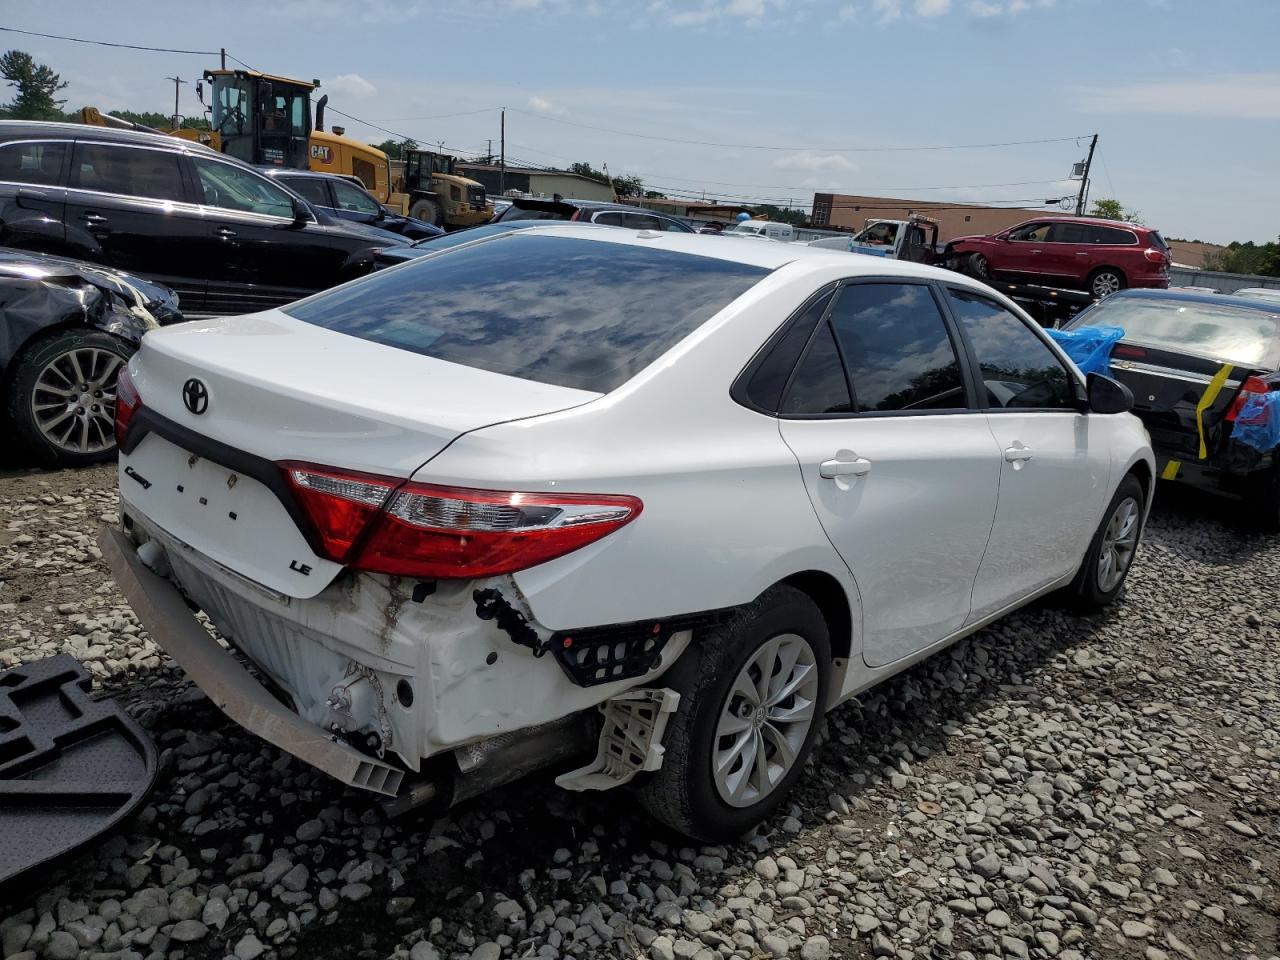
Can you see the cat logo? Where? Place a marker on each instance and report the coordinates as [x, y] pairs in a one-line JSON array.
[[322, 153]]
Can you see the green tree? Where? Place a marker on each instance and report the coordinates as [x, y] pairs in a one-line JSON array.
[[628, 186], [1114, 210], [588, 171], [396, 149], [782, 214], [1248, 257], [36, 85], [158, 120]]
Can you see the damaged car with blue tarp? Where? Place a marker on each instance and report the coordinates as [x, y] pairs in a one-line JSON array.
[[1205, 374]]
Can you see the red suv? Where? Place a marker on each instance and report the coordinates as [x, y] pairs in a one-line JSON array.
[[1101, 256]]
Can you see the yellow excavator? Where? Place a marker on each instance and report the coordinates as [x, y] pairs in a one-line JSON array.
[[265, 120]]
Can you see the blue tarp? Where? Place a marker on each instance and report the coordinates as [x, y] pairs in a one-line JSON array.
[[1258, 422], [1089, 347]]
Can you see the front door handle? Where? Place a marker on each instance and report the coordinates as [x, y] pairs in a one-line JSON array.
[[1017, 453], [94, 219], [830, 469], [226, 233]]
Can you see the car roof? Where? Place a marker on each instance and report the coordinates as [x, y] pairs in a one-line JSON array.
[[306, 174], [1091, 221], [1192, 296], [21, 129]]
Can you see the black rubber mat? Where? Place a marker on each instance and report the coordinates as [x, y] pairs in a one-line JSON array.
[[71, 767]]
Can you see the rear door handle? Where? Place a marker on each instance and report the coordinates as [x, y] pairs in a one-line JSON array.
[[226, 233], [94, 219], [830, 469], [1017, 453]]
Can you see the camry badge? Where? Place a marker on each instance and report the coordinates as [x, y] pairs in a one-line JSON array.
[[196, 396]]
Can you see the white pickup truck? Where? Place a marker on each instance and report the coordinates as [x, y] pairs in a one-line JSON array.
[[915, 239]]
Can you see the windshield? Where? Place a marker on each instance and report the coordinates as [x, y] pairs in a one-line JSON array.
[[752, 228], [1245, 336], [230, 105], [564, 311]]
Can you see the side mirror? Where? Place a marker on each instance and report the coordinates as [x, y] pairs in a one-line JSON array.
[[300, 214], [1108, 396]]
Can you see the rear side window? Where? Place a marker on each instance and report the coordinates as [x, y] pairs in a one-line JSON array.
[[819, 384], [1112, 235], [897, 349], [1069, 233], [559, 310], [309, 188], [1018, 369], [1157, 240], [764, 387], [37, 163], [129, 171]]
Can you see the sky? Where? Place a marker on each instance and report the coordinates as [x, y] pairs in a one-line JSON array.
[[768, 100]]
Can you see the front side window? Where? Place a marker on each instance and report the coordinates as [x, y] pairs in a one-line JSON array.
[[38, 163], [566, 311], [350, 197], [1019, 371], [234, 188], [1031, 233], [129, 171], [897, 349]]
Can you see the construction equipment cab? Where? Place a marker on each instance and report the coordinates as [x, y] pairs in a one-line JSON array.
[[440, 195], [262, 119]]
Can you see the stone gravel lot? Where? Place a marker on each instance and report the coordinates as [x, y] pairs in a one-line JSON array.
[[1053, 787]]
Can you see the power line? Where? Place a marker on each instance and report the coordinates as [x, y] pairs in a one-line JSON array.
[[104, 43], [761, 146], [440, 116]]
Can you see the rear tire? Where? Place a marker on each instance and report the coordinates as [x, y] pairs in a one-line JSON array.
[[58, 421], [428, 210], [1105, 281], [1111, 551], [759, 744]]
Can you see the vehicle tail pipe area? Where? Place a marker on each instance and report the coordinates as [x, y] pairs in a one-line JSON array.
[[484, 766]]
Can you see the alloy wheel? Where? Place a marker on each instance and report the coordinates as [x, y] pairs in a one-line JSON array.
[[765, 720], [1105, 284], [1119, 541], [73, 402]]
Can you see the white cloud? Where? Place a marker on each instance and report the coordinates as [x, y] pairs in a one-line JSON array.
[[1253, 96], [999, 8], [543, 105], [524, 4], [932, 8], [750, 11], [813, 160], [349, 85], [887, 10]]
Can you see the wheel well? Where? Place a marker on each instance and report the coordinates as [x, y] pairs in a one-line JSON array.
[[1142, 470], [825, 590], [1120, 270]]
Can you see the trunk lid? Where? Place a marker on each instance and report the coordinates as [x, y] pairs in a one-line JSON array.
[[1168, 387], [278, 389]]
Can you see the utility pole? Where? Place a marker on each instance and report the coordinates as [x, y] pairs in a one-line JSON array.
[[177, 85], [223, 51], [502, 164], [1084, 181], [488, 154]]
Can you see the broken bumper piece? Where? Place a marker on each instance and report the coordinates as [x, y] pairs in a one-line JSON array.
[[71, 767], [161, 609]]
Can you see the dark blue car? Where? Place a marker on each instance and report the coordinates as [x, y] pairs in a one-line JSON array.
[[344, 197]]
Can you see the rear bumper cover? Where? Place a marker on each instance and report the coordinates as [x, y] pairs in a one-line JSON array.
[[161, 609]]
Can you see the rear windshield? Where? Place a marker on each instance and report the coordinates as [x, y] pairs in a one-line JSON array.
[[565, 311], [1247, 337], [1157, 241]]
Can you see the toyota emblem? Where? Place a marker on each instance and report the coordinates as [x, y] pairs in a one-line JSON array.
[[196, 396]]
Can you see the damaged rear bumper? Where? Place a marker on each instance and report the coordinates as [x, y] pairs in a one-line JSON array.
[[161, 609]]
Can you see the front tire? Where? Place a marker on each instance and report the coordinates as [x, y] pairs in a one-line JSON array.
[[752, 695], [978, 267], [62, 396], [1112, 549], [428, 211]]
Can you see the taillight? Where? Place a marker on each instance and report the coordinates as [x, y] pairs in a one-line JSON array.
[[1252, 386], [422, 530], [127, 403], [1154, 256]]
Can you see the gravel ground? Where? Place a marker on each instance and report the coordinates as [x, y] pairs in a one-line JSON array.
[[1053, 787]]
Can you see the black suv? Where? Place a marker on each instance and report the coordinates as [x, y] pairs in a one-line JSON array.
[[222, 235], [348, 199]]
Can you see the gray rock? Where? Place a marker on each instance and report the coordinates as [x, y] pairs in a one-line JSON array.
[[62, 946], [487, 951], [188, 931], [816, 948], [310, 831], [1136, 929], [422, 950], [662, 948], [296, 879], [249, 947], [987, 867]]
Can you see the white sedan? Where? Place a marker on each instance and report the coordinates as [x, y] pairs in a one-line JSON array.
[[650, 501]]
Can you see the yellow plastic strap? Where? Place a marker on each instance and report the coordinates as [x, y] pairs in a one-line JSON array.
[[1170, 471], [1206, 401]]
